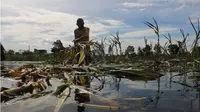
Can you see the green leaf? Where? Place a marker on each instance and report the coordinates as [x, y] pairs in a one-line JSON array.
[[156, 25], [82, 57], [182, 32], [77, 54], [150, 25], [193, 26], [61, 100], [82, 80], [93, 46], [113, 36]]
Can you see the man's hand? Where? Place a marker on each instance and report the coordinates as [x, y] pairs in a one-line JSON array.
[[75, 40]]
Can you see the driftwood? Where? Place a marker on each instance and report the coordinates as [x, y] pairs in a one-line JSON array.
[[60, 89], [37, 95], [12, 93]]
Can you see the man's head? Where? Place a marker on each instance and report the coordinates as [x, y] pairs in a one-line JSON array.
[[80, 22]]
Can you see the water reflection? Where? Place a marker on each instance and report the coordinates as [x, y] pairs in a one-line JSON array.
[[163, 92], [172, 92], [81, 97]]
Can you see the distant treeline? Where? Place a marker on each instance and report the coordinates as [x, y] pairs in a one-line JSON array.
[[11, 55], [173, 50]]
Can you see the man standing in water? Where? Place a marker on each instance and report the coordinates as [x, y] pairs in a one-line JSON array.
[[82, 36]]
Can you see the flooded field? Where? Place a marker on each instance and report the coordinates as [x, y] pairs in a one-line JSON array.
[[115, 93]]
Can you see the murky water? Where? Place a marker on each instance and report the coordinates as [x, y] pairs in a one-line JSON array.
[[161, 95], [15, 64]]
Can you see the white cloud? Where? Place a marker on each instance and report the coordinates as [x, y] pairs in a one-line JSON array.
[[182, 4], [114, 22], [186, 1], [180, 7], [195, 20], [40, 22], [26, 26], [136, 5], [142, 9], [124, 10], [194, 17], [148, 32]]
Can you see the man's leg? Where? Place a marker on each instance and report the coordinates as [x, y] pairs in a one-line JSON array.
[[78, 56], [87, 57]]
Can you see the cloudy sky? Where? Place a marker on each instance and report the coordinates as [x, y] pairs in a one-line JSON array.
[[37, 23]]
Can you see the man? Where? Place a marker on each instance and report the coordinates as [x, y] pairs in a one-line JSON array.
[[82, 36]]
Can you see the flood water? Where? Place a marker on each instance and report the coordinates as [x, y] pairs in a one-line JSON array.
[[160, 95]]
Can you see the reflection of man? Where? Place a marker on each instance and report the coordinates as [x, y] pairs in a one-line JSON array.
[[82, 36], [82, 97]]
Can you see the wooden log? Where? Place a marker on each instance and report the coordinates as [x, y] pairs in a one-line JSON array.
[[13, 92]]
